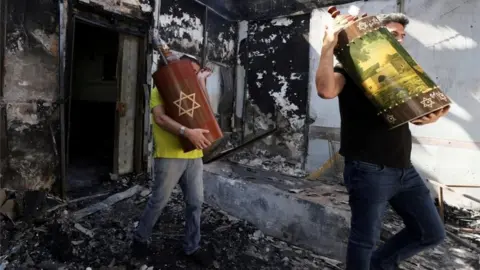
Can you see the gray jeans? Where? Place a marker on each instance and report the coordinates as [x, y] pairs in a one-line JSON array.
[[167, 173]]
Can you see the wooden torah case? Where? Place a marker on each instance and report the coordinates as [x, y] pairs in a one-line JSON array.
[[392, 80], [185, 101]]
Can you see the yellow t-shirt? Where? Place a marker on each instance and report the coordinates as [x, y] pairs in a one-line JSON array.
[[167, 145]]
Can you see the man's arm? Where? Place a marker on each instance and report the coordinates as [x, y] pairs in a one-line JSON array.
[[164, 121], [202, 76], [329, 83], [196, 136]]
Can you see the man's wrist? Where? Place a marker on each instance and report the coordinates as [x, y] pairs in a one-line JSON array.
[[181, 131], [327, 50]]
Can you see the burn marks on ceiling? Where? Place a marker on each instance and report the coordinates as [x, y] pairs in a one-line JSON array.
[[139, 9], [266, 9], [228, 8], [278, 67]]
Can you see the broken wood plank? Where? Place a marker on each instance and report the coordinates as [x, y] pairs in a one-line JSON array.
[[75, 201], [9, 210], [105, 204], [316, 175], [84, 230], [463, 242], [453, 190]]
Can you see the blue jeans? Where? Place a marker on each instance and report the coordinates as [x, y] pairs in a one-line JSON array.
[[370, 188], [168, 172]]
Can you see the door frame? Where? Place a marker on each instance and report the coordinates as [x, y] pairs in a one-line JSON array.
[[125, 26]]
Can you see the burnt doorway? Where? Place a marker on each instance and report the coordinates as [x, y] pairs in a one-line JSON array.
[[92, 113], [105, 113]]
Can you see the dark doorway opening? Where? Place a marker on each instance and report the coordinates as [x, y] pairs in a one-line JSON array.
[[93, 103]]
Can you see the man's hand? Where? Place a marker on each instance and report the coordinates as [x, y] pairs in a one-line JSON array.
[[204, 73], [330, 38], [432, 117], [197, 137]]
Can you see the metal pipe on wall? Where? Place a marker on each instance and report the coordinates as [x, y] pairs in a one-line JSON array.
[[401, 6], [205, 38], [3, 116], [156, 13], [61, 88], [245, 87]]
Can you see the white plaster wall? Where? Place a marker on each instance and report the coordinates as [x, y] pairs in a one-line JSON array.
[[443, 36], [214, 86]]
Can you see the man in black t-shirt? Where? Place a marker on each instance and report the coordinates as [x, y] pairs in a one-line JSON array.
[[378, 170]]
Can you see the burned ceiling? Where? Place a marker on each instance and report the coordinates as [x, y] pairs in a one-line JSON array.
[[265, 9]]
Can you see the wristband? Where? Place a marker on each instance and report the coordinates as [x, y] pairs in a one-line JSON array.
[[182, 131]]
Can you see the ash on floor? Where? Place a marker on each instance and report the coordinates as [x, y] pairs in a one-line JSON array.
[[101, 241]]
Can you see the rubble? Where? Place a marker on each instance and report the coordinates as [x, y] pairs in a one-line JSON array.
[[448, 255], [263, 160], [101, 240], [465, 223]]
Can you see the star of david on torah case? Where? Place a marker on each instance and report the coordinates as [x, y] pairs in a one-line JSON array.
[[184, 100], [391, 79]]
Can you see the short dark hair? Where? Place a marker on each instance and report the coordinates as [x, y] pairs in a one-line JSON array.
[[186, 57], [394, 17]]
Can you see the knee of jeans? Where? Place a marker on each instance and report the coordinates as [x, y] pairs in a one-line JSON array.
[[196, 202], [436, 237], [362, 239], [155, 202]]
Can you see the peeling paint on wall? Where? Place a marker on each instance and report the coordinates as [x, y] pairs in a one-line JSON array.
[[277, 77], [180, 25], [222, 38], [285, 21], [278, 50]]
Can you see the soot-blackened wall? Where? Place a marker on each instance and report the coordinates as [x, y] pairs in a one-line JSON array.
[[30, 93], [278, 66], [222, 35], [275, 55], [182, 25]]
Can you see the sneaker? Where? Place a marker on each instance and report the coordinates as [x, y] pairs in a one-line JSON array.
[[202, 258], [139, 249]]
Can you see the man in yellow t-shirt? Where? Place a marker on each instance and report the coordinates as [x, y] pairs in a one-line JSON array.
[[172, 166]]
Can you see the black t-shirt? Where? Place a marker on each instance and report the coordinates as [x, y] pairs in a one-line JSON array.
[[364, 135]]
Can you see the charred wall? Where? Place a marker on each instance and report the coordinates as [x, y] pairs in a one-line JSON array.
[[278, 66], [192, 28], [30, 93], [31, 83], [221, 42], [275, 55], [182, 25]]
